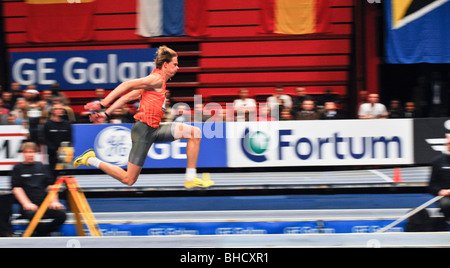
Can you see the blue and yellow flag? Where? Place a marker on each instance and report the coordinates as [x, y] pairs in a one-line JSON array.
[[417, 31]]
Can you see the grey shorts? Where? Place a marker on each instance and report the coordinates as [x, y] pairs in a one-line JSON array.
[[142, 138]]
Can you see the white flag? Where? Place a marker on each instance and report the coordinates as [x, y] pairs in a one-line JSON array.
[[150, 18]]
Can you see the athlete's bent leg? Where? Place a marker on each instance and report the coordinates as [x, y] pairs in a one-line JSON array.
[[128, 177]]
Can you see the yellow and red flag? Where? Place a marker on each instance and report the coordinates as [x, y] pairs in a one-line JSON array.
[[60, 20], [295, 17]]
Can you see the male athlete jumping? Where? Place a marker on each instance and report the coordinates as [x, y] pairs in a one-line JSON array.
[[147, 129]]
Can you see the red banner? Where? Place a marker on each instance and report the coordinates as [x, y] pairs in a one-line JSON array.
[[60, 20]]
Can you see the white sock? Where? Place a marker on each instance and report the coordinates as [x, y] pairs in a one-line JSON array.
[[191, 173], [94, 161]]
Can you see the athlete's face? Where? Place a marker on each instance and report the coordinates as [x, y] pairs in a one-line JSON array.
[[172, 67]]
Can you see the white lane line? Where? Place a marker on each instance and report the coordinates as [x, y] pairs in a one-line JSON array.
[[381, 175]]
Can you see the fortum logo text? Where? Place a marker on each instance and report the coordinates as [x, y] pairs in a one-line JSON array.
[[255, 145]]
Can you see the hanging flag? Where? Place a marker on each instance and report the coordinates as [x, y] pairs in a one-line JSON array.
[[418, 31], [295, 17], [60, 20], [172, 17]]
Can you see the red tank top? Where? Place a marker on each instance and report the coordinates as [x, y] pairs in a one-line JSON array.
[[153, 105]]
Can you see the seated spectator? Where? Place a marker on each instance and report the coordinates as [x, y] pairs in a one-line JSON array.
[[47, 101], [362, 97], [328, 96], [35, 113], [244, 106], [121, 115], [56, 93], [214, 112], [298, 100], [373, 109], [4, 113], [30, 181], [308, 111], [286, 114], [264, 113], [16, 91], [8, 100], [12, 119], [69, 115], [20, 111], [99, 94], [395, 109], [330, 112], [410, 110], [279, 98]]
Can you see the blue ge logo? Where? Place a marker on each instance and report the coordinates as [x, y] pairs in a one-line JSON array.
[[113, 144], [254, 145]]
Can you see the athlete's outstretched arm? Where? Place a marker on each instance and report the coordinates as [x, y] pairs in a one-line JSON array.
[[101, 117], [131, 96], [149, 82]]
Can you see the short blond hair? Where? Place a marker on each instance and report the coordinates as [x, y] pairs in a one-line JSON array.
[[164, 54], [28, 145]]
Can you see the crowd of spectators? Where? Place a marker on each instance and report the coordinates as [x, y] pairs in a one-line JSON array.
[[47, 116], [281, 106], [32, 108]]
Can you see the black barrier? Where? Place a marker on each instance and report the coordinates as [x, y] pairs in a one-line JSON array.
[[429, 138]]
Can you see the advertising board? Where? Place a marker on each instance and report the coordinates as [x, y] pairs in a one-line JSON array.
[[112, 144], [320, 143], [11, 137], [81, 69]]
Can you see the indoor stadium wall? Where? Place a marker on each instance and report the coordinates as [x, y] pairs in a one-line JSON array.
[[233, 55]]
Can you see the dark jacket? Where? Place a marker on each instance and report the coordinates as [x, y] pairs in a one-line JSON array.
[[440, 174], [56, 132]]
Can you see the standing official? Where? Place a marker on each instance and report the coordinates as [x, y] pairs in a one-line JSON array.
[[440, 179]]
